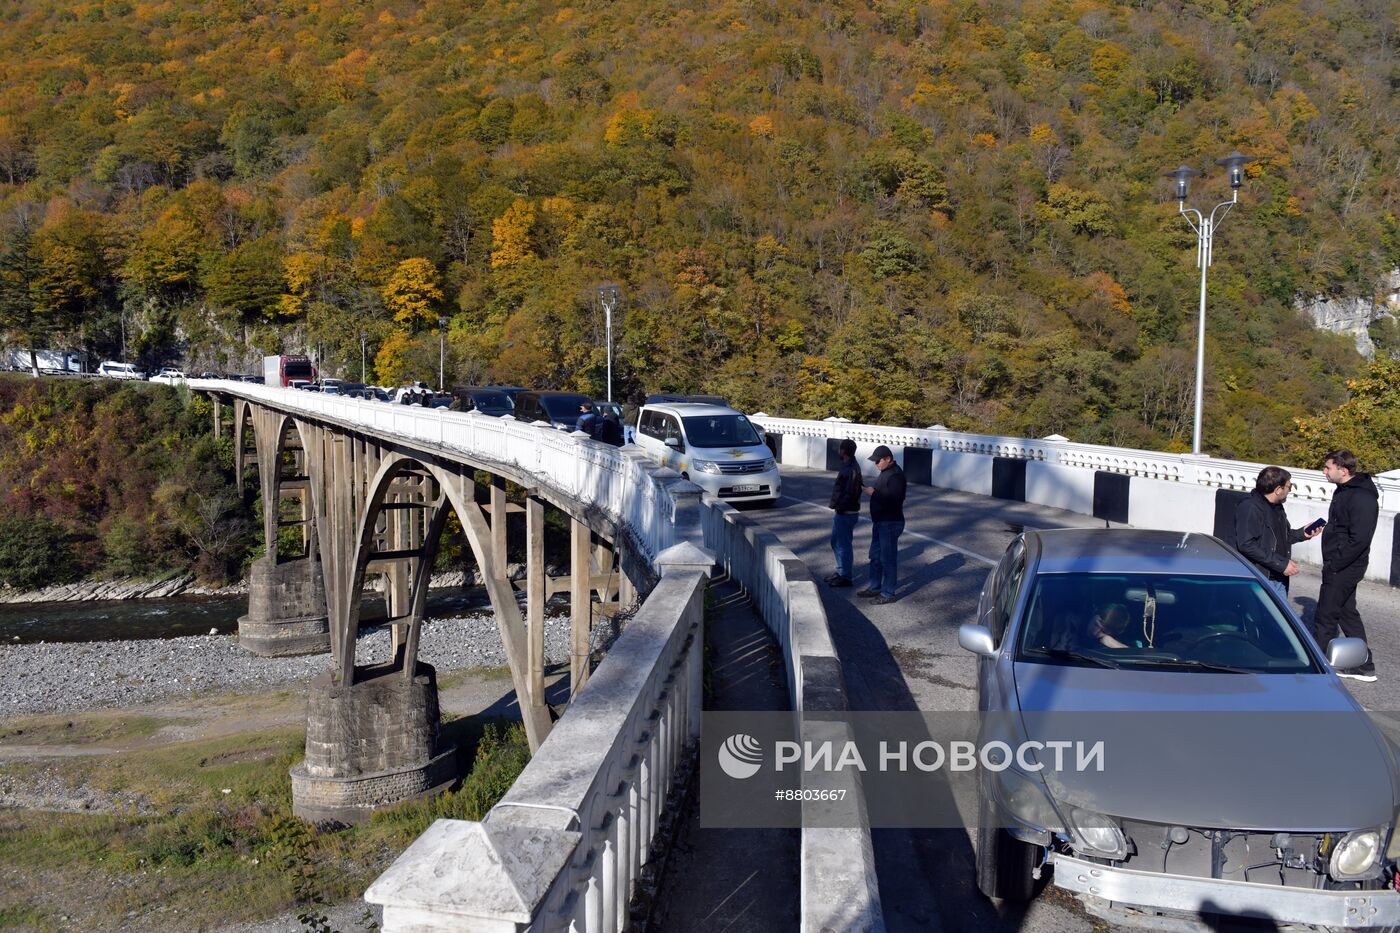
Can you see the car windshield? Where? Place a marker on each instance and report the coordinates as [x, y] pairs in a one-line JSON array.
[[563, 409], [1160, 621], [720, 431]]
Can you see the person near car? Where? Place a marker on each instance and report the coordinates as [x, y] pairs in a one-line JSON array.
[[1346, 550], [587, 420], [609, 430], [886, 525], [1261, 528], [845, 503]]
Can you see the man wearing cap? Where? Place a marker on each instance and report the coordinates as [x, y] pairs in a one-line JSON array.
[[886, 525], [845, 502]]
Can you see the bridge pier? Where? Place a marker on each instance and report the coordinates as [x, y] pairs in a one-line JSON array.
[[286, 609], [370, 743]]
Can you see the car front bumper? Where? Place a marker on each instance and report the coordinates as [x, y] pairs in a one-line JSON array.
[[1231, 898], [721, 485]]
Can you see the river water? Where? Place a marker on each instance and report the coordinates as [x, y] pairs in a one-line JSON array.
[[122, 619]]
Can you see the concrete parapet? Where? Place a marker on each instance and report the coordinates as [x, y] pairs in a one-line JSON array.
[[286, 609], [839, 887], [565, 846], [370, 744]]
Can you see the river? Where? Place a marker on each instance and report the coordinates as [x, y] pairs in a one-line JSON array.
[[176, 616]]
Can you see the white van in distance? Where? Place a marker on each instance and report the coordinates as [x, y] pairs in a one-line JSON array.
[[714, 447], [114, 370]]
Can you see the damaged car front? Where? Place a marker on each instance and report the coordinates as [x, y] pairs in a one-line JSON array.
[[1230, 771]]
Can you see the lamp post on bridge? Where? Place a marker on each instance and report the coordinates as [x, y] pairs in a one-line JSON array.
[[607, 297], [363, 338], [1204, 226]]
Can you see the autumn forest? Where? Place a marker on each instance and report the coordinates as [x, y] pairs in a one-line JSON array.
[[905, 212]]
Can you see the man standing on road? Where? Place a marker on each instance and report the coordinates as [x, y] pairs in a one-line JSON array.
[[1261, 528], [1346, 549], [886, 525], [845, 502]]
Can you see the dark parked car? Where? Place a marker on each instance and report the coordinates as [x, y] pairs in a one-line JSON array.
[[491, 402], [510, 391], [1242, 777], [560, 409]]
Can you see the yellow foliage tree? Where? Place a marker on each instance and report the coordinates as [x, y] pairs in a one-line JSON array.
[[412, 294], [510, 234], [392, 363]]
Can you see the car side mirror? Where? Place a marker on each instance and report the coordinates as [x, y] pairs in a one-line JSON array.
[[977, 639], [1346, 653], [674, 442]]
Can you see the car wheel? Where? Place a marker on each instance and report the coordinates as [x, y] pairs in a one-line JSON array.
[[1005, 864]]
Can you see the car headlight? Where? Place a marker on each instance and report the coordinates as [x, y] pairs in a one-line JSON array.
[[1357, 856], [769, 464], [1097, 834], [1026, 799], [705, 466]]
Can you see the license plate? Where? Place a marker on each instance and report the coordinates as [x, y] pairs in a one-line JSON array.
[[750, 487]]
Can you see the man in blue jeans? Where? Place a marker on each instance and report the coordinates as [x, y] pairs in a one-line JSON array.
[[886, 525], [845, 502]]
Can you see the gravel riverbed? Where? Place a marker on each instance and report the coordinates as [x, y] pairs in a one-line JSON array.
[[58, 677]]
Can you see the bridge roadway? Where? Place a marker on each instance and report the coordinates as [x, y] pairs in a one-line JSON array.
[[905, 656]]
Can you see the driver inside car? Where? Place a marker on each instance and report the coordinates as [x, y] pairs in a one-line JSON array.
[[1109, 628]]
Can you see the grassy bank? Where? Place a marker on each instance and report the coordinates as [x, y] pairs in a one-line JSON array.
[[222, 846]]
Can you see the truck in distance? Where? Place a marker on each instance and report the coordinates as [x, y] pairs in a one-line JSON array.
[[283, 370]]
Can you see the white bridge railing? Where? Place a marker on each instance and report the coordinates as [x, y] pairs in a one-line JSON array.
[[1178, 492], [1198, 470], [624, 487]]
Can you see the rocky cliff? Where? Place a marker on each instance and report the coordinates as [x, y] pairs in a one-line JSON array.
[[1354, 315]]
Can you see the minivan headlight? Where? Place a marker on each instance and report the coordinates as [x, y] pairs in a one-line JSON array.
[[1097, 834], [705, 466], [769, 464], [1357, 856]]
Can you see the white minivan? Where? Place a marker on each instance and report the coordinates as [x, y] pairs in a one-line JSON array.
[[114, 370], [715, 447]]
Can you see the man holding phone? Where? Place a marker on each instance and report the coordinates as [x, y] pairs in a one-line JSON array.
[[1346, 550], [1261, 528]]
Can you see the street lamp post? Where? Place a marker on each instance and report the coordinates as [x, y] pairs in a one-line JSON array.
[[607, 297], [363, 338], [1204, 226], [442, 352]]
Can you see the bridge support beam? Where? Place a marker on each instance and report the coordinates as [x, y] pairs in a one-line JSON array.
[[580, 604]]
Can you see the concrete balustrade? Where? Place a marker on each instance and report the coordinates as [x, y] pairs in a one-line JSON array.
[[1147, 489], [565, 847]]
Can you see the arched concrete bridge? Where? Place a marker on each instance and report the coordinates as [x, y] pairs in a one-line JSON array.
[[565, 848]]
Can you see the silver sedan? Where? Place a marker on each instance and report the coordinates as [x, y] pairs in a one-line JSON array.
[[1234, 773]]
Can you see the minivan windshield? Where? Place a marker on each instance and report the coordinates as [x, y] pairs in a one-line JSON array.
[[720, 431], [1160, 621]]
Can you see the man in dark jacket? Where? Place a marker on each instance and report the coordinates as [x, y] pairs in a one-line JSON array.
[[1261, 528], [1346, 549], [886, 525], [845, 502], [609, 430]]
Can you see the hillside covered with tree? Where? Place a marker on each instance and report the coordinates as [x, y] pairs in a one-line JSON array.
[[907, 212]]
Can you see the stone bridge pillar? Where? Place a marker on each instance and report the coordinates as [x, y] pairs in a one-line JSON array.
[[286, 593]]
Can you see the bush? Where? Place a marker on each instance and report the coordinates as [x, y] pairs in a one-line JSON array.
[[34, 552]]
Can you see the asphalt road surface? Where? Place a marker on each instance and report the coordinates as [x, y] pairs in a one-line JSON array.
[[905, 656]]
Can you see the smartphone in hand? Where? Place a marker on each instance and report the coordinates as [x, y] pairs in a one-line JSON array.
[[1315, 526]]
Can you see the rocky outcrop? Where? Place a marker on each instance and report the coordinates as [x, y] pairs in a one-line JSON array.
[[1354, 316], [126, 588]]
